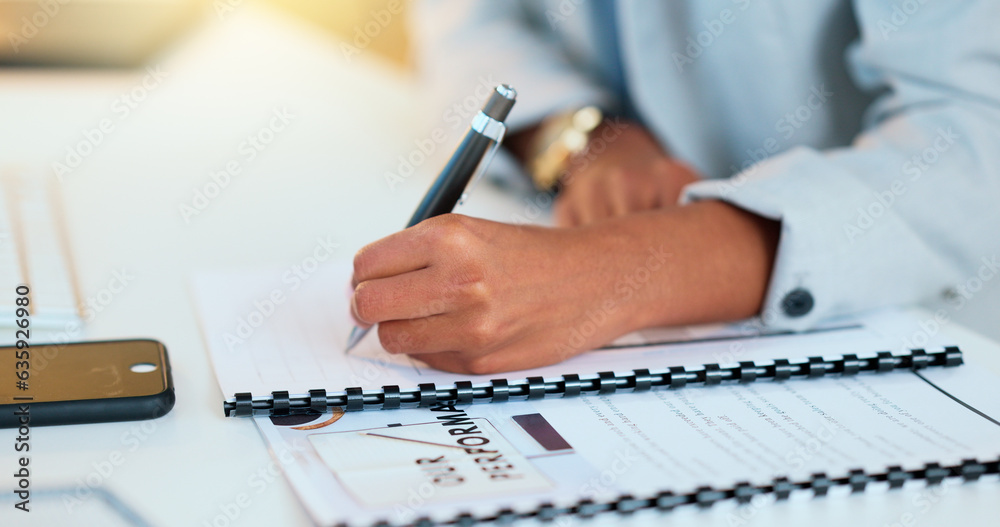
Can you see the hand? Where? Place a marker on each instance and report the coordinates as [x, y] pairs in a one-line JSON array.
[[474, 296], [623, 170]]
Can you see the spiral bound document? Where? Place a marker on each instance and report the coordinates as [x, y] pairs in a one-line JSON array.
[[855, 404], [569, 458], [276, 346], [572, 384]]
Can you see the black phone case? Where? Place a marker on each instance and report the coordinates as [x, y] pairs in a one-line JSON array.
[[95, 410]]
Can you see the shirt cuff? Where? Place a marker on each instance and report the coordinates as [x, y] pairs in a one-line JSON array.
[[842, 247]]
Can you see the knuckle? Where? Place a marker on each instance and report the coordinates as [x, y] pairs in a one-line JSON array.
[[443, 229], [457, 235], [481, 333], [474, 288]]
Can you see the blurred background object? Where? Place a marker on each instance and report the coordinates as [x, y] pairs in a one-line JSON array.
[[378, 25], [89, 32], [124, 33]]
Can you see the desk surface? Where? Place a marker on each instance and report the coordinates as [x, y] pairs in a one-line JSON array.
[[319, 176]]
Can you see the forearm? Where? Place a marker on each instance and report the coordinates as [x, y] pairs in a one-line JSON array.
[[708, 261]]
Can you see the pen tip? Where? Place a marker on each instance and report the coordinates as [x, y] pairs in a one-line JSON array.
[[356, 335]]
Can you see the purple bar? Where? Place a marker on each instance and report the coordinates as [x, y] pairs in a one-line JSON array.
[[538, 428]]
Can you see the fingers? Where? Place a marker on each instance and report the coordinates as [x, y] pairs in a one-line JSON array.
[[582, 202], [427, 335], [628, 193], [675, 176], [619, 194], [596, 198], [395, 254], [431, 269], [448, 342], [667, 194], [590, 205], [564, 214], [460, 333], [354, 315], [526, 354], [415, 294]]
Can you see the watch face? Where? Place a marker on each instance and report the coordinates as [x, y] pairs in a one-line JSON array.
[[427, 462]]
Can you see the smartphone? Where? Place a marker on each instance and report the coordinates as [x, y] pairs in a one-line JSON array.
[[84, 382]]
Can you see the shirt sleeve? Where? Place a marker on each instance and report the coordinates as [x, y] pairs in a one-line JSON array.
[[910, 209]]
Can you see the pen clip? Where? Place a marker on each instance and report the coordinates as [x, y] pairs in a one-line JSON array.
[[495, 131]]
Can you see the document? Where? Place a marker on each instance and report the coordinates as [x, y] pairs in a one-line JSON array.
[[442, 461], [266, 333]]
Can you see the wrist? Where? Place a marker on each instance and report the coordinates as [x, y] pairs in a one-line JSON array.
[[704, 262]]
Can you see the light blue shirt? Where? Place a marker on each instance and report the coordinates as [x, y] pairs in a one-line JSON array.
[[870, 129]]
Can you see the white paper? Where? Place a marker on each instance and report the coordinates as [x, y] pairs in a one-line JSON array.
[[275, 331]]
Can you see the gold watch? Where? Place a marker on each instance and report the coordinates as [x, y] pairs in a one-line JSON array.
[[558, 139]]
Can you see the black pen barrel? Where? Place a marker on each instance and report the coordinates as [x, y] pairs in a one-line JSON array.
[[450, 183]]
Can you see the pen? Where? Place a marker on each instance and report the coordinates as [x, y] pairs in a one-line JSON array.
[[466, 166]]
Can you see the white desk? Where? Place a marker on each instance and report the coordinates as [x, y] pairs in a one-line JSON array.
[[320, 177]]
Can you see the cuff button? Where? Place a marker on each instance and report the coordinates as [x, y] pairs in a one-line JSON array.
[[797, 303]]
